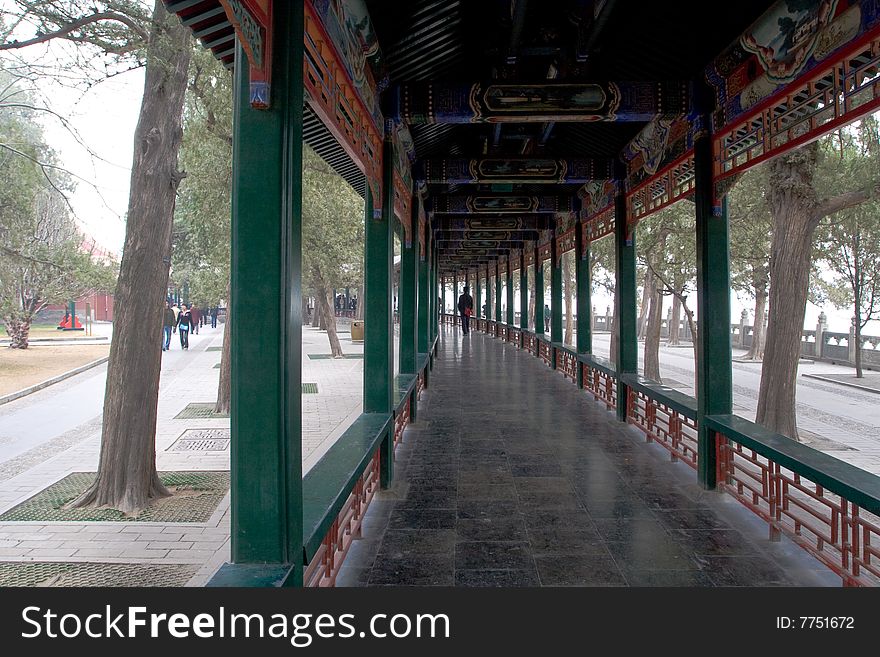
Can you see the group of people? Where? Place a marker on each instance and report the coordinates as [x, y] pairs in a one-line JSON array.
[[341, 303], [184, 319]]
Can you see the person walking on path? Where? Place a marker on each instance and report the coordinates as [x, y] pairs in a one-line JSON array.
[[167, 324], [465, 309], [214, 311], [184, 324], [546, 318], [195, 317]]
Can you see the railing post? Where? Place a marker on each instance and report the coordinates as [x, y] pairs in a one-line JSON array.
[[266, 235], [714, 367], [624, 296]]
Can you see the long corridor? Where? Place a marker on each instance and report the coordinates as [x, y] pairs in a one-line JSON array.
[[513, 477]]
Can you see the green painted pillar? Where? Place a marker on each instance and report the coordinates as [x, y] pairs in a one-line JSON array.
[[509, 279], [266, 235], [408, 299], [497, 292], [714, 367], [584, 290], [489, 296], [378, 319], [455, 294], [478, 297], [584, 302], [555, 293], [626, 358], [424, 302], [523, 292], [435, 298], [539, 292]]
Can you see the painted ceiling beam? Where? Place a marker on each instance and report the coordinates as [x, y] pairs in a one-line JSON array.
[[493, 102], [501, 204], [515, 170], [445, 235], [494, 223]]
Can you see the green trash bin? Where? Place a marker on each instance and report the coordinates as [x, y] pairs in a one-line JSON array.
[[357, 331]]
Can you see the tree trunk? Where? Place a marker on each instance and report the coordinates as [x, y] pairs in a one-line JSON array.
[[674, 323], [792, 203], [127, 478], [18, 330], [857, 303], [304, 308], [567, 290], [614, 338], [328, 314], [360, 304], [532, 298], [224, 387], [653, 323], [692, 325], [316, 314], [756, 350], [646, 298]]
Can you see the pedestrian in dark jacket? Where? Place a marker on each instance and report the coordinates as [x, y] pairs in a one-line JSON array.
[[167, 324], [184, 324], [465, 309]]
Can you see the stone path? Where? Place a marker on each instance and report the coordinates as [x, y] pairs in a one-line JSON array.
[[514, 477], [47, 435]]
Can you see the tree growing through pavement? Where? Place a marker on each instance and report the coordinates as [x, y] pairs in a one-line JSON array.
[[127, 33]]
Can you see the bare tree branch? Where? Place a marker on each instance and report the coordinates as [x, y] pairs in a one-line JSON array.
[[64, 31]]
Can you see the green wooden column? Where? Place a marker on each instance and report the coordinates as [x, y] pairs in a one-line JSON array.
[[523, 293], [509, 279], [555, 293], [714, 367], [478, 297], [497, 292], [488, 294], [626, 358], [424, 302], [539, 292], [436, 296], [584, 302], [455, 294], [408, 293], [378, 320], [266, 233]]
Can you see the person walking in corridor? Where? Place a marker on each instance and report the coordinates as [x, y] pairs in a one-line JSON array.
[[465, 309], [167, 324], [184, 324]]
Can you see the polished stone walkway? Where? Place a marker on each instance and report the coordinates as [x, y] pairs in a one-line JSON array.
[[514, 477]]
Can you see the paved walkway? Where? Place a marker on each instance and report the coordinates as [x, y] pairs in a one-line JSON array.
[[514, 477], [54, 432], [839, 420]]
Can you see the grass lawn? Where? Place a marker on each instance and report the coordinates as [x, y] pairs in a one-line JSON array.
[[21, 368]]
